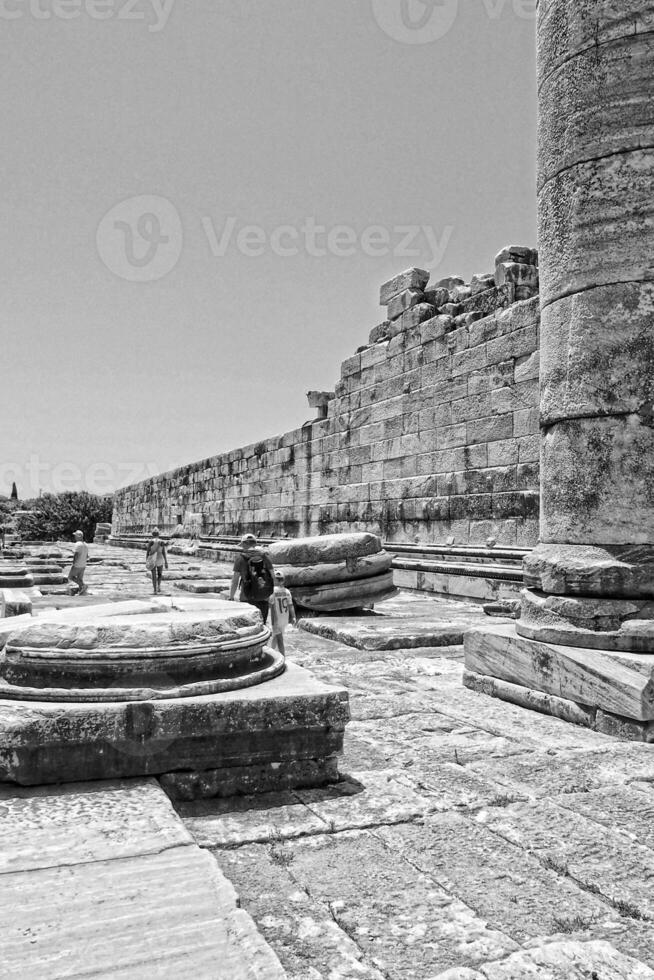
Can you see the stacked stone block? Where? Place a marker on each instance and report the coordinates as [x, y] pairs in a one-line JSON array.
[[431, 432]]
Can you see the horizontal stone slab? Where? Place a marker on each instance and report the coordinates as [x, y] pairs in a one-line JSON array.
[[345, 595], [43, 826], [622, 683], [290, 718], [328, 572]]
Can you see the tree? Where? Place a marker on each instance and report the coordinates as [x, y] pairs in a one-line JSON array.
[[14, 492], [54, 517]]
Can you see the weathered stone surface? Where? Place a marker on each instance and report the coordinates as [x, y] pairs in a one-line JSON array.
[[345, 595], [412, 318], [243, 780], [404, 301], [137, 657], [596, 225], [614, 867], [291, 718], [478, 284], [564, 960], [449, 282], [14, 602], [517, 253], [102, 878], [437, 297], [506, 886], [518, 273], [382, 633], [343, 571], [596, 104], [591, 468], [547, 704], [610, 570], [12, 577], [380, 332], [597, 353], [410, 279], [622, 683], [568, 27], [43, 826], [391, 910], [597, 622], [326, 548]]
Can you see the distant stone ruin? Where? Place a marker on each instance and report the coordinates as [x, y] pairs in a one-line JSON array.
[[431, 432]]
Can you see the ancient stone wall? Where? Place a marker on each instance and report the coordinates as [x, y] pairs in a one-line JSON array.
[[431, 433]]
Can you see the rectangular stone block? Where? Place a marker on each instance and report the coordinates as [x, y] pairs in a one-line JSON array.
[[515, 398], [403, 302], [412, 318], [471, 407], [517, 273], [515, 344], [467, 361], [489, 429], [620, 683], [525, 421], [410, 279], [292, 717]]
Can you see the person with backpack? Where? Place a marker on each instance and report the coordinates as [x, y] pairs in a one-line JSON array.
[[253, 569]]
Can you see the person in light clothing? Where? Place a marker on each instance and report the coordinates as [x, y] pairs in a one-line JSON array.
[[80, 558], [282, 611]]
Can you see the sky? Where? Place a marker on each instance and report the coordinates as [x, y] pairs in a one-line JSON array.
[[201, 199]]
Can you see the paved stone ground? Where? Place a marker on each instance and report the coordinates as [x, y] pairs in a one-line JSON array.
[[469, 839]]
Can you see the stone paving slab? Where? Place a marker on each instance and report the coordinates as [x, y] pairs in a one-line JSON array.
[[306, 936], [249, 819], [51, 826], [559, 771], [627, 809], [102, 880], [511, 890], [606, 863], [559, 961], [393, 912]]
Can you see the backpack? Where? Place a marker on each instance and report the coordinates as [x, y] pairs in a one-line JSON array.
[[257, 578]]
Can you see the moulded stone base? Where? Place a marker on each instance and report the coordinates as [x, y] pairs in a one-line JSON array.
[[621, 684], [293, 722], [549, 704]]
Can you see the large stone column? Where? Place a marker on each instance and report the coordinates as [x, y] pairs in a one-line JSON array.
[[591, 578]]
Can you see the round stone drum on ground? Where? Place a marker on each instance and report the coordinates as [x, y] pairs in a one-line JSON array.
[[331, 572], [139, 657]]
